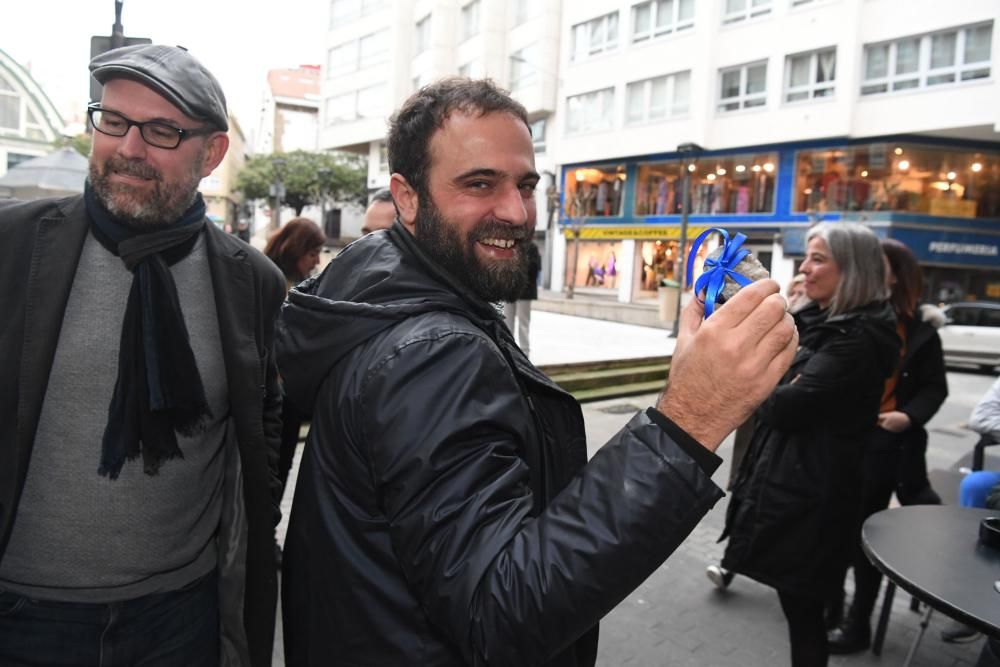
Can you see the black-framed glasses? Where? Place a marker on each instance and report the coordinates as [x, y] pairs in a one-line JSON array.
[[153, 132]]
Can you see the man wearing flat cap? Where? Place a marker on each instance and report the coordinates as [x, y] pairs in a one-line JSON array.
[[139, 401]]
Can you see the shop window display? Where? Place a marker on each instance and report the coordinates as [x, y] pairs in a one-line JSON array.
[[931, 180], [732, 184], [595, 192], [597, 265]]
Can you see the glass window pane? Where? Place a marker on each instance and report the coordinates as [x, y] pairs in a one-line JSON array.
[[826, 68], [731, 83], [734, 6], [658, 97], [596, 36], [10, 111], [685, 10], [977, 44], [612, 29], [907, 55], [939, 79], [877, 61], [642, 16], [682, 92], [635, 102], [943, 49], [799, 71], [6, 85], [664, 14], [573, 118], [756, 79]]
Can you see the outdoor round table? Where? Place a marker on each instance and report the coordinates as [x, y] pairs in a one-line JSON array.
[[933, 552]]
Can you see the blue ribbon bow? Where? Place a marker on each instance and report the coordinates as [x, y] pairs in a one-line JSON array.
[[716, 269]]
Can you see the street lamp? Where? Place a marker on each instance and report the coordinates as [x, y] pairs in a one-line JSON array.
[[689, 154], [277, 192]]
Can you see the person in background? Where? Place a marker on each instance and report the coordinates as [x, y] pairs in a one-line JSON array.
[[295, 249], [445, 512], [381, 212], [980, 488], [795, 293], [791, 517], [139, 408], [895, 450], [519, 312]]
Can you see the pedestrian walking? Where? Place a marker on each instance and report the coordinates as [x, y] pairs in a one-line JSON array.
[[517, 314], [894, 456], [445, 512], [791, 517], [139, 412], [381, 212]]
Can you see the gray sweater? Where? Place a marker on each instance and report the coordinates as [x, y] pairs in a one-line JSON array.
[[81, 537]]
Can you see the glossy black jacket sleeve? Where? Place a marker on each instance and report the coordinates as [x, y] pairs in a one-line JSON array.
[[507, 588]]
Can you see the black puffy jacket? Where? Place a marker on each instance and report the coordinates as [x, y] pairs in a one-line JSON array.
[[797, 496], [445, 513]]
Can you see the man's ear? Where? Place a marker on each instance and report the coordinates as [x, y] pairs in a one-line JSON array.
[[218, 144], [407, 201]]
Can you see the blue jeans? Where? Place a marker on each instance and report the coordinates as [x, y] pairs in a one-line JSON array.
[[161, 630]]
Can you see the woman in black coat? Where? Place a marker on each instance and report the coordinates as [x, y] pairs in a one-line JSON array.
[[795, 503], [895, 450]]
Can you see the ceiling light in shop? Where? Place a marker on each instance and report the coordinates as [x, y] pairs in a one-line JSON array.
[[720, 171], [904, 165], [898, 151], [769, 167], [740, 168], [711, 177], [864, 173], [952, 175], [977, 167], [691, 167], [756, 168]]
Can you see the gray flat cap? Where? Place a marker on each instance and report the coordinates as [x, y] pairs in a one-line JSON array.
[[170, 71]]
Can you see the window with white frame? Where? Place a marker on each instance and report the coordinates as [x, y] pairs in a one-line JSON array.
[[809, 75], [341, 59], [797, 3], [470, 20], [523, 67], [10, 106], [344, 11], [523, 10], [422, 35], [590, 111], [373, 49], [594, 36], [945, 57], [538, 135], [340, 108], [743, 10], [658, 98], [661, 17], [371, 101], [743, 87], [472, 69]]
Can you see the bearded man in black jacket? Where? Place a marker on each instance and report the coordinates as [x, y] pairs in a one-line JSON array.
[[445, 512]]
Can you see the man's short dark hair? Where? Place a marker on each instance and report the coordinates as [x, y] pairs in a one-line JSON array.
[[383, 194], [411, 128]]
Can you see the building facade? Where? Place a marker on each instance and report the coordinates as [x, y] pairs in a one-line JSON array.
[[222, 201], [29, 122], [791, 111]]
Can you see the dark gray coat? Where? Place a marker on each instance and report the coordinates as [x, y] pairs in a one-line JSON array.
[[40, 244]]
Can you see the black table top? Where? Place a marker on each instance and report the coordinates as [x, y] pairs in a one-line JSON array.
[[933, 552]]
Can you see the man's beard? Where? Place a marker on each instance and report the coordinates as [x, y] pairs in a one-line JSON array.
[[498, 280], [136, 207]]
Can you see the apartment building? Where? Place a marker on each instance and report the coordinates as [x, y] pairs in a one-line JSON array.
[[793, 111], [380, 52]]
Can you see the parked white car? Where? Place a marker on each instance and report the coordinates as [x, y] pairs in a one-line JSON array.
[[971, 334]]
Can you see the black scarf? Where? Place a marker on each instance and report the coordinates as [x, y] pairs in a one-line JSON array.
[[158, 389]]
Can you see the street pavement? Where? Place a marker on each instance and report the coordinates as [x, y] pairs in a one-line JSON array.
[[676, 618]]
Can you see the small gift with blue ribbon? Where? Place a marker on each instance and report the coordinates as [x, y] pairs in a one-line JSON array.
[[729, 264]]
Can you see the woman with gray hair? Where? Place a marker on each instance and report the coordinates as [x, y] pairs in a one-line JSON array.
[[797, 494]]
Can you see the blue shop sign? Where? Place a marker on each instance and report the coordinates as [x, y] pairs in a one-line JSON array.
[[956, 248]]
